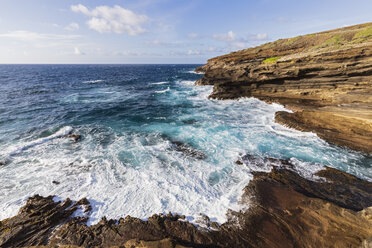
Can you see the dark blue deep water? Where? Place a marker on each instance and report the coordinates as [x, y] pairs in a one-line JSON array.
[[132, 120]]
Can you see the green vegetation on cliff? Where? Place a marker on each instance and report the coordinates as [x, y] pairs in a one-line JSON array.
[[365, 33], [271, 60]]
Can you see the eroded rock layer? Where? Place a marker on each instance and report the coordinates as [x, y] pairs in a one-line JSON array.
[[331, 209], [326, 78]]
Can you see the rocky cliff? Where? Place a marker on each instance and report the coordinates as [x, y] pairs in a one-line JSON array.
[[329, 209], [325, 78]]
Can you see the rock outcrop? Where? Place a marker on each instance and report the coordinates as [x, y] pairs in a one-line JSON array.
[[74, 137], [330, 209], [325, 78]]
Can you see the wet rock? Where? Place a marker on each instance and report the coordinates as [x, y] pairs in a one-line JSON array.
[[327, 84], [36, 221], [74, 137], [165, 243], [110, 233], [190, 122], [188, 150], [238, 162]]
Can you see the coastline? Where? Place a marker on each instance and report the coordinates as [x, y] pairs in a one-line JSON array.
[[283, 207], [325, 78]]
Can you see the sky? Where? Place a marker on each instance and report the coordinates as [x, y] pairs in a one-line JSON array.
[[159, 31]]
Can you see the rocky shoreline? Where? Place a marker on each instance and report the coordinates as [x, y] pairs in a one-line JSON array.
[[325, 78], [330, 209]]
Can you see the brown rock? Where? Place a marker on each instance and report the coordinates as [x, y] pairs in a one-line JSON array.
[[238, 162], [36, 221], [74, 137], [314, 74], [188, 150]]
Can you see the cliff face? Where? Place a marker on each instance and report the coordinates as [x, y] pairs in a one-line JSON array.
[[326, 78]]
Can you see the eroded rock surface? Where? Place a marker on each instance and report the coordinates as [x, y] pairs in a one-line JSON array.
[[330, 209], [37, 220], [326, 78], [188, 150]]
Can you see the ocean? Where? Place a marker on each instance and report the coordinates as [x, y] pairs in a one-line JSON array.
[[151, 141]]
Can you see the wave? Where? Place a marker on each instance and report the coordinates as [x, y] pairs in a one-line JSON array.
[[162, 91], [187, 82], [62, 132], [194, 72], [93, 81], [158, 83]]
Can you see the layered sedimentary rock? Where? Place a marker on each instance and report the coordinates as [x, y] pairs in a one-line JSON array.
[[326, 78], [330, 209]]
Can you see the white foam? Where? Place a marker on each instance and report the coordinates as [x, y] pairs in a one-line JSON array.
[[194, 72], [163, 91], [186, 82], [159, 83], [306, 169], [93, 81], [62, 132]]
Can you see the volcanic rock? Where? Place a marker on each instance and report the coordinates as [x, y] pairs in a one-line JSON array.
[[188, 150], [326, 78], [74, 137]]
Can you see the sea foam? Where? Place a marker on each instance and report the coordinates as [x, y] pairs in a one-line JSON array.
[[62, 132], [93, 81], [162, 91], [159, 83]]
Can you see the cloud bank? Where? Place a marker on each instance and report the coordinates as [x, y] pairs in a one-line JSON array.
[[105, 19]]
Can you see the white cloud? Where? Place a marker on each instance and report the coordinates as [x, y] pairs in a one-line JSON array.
[[105, 19], [262, 36], [235, 42], [193, 52], [80, 8], [166, 43], [78, 52], [72, 26], [33, 36], [230, 36]]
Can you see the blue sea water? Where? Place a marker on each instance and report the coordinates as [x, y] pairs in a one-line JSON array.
[[127, 162]]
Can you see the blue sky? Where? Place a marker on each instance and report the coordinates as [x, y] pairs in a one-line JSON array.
[[159, 31]]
